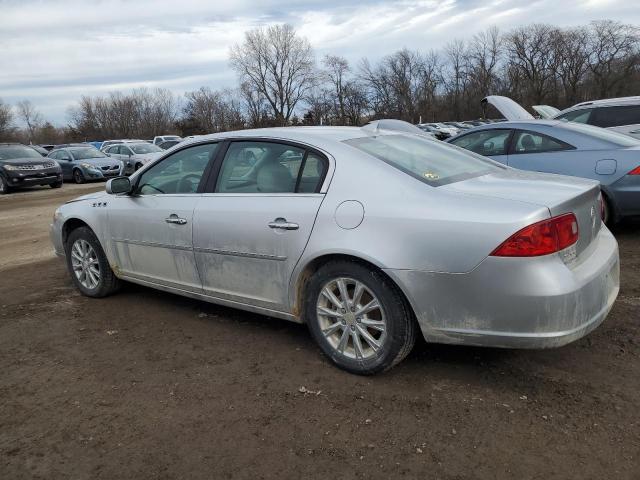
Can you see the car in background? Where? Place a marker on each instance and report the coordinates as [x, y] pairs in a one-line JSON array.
[[168, 144], [22, 166], [47, 146], [134, 154], [435, 132], [566, 148], [157, 140], [368, 236], [108, 143], [458, 125], [393, 125], [619, 114], [81, 163], [42, 151]]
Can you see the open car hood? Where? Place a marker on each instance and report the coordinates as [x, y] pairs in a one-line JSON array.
[[507, 107], [546, 111]]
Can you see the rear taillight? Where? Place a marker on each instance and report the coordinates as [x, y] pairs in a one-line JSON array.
[[635, 171], [542, 238]]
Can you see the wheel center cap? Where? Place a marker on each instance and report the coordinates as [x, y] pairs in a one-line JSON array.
[[350, 318]]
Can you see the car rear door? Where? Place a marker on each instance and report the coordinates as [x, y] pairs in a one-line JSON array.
[[151, 230], [539, 152], [251, 230], [490, 142]]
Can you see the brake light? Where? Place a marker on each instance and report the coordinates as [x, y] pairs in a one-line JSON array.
[[542, 238], [635, 171]]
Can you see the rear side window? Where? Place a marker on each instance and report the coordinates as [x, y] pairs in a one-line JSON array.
[[485, 142], [579, 116], [430, 162], [531, 142], [616, 116]]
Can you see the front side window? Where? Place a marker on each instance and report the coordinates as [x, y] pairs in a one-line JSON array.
[[181, 172], [485, 142], [530, 142], [64, 155], [616, 116], [266, 167], [433, 163]]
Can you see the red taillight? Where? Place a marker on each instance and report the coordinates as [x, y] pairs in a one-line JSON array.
[[635, 171], [542, 238]]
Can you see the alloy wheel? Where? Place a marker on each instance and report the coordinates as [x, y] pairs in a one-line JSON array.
[[84, 262], [351, 318]]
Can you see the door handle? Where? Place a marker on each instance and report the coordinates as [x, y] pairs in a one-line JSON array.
[[176, 220], [282, 224]]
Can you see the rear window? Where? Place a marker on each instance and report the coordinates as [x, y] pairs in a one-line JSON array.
[[430, 162], [616, 116], [614, 138]]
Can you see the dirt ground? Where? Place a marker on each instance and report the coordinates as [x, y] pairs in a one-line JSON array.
[[149, 385]]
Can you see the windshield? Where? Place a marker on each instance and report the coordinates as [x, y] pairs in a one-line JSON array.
[[83, 153], [171, 137], [615, 138], [10, 152], [428, 161], [145, 148]]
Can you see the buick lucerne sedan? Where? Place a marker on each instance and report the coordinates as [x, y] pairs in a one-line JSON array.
[[368, 237]]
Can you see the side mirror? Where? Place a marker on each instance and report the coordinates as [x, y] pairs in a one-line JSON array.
[[118, 185]]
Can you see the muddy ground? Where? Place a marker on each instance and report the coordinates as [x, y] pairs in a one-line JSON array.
[[149, 385]]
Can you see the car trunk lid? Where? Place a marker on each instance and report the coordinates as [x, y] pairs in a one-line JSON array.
[[559, 193]]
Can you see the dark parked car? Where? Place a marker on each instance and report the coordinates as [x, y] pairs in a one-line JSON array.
[[22, 166], [85, 162]]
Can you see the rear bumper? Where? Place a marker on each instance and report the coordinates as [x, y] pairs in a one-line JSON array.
[[517, 303]]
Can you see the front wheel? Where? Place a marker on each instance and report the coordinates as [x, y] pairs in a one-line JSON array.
[[78, 177], [4, 188], [57, 184], [359, 318], [88, 264]]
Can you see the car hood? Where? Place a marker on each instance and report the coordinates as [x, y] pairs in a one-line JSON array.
[[88, 196], [546, 111], [100, 162], [508, 108]]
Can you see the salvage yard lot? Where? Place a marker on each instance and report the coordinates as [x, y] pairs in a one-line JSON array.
[[149, 385]]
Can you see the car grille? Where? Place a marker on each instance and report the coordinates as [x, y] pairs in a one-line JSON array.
[[36, 167], [107, 167]]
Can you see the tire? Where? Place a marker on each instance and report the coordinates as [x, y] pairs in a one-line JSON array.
[[394, 317], [4, 188], [608, 215], [106, 282], [78, 177], [57, 184]]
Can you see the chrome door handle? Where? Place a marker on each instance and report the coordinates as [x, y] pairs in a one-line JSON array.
[[282, 224], [176, 220]]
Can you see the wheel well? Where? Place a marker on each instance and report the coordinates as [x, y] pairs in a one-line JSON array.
[[313, 266], [69, 226]]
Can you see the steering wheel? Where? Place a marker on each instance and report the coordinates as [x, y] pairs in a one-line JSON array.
[[193, 180]]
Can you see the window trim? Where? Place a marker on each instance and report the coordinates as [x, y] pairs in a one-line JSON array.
[[512, 142], [210, 186], [507, 141], [203, 180]]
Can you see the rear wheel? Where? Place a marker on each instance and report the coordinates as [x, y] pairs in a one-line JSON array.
[[78, 177], [608, 215], [359, 318], [4, 188], [88, 264]]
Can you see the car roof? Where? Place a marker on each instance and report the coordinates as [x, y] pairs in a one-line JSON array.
[[605, 102]]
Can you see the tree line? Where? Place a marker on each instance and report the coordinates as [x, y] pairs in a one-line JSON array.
[[280, 83]]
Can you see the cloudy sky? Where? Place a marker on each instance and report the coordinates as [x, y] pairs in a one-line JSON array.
[[52, 52]]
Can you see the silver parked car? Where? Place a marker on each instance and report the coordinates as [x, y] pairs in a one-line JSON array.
[[134, 155], [367, 237]]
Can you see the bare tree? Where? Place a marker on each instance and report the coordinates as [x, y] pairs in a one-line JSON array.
[[278, 64], [6, 120], [336, 69], [30, 116]]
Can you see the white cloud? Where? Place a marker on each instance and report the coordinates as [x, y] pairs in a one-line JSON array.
[[54, 51]]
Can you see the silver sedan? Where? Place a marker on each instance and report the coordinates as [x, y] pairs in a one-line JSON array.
[[368, 237]]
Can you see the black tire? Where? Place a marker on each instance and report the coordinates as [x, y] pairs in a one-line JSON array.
[[57, 184], [401, 325], [609, 217], [108, 283], [78, 177], [4, 187]]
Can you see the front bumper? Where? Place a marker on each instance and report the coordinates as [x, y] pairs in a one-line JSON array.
[[24, 178], [517, 303], [100, 174]]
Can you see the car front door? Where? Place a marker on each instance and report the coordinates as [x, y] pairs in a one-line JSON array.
[[250, 232], [151, 230], [492, 143], [64, 159]]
